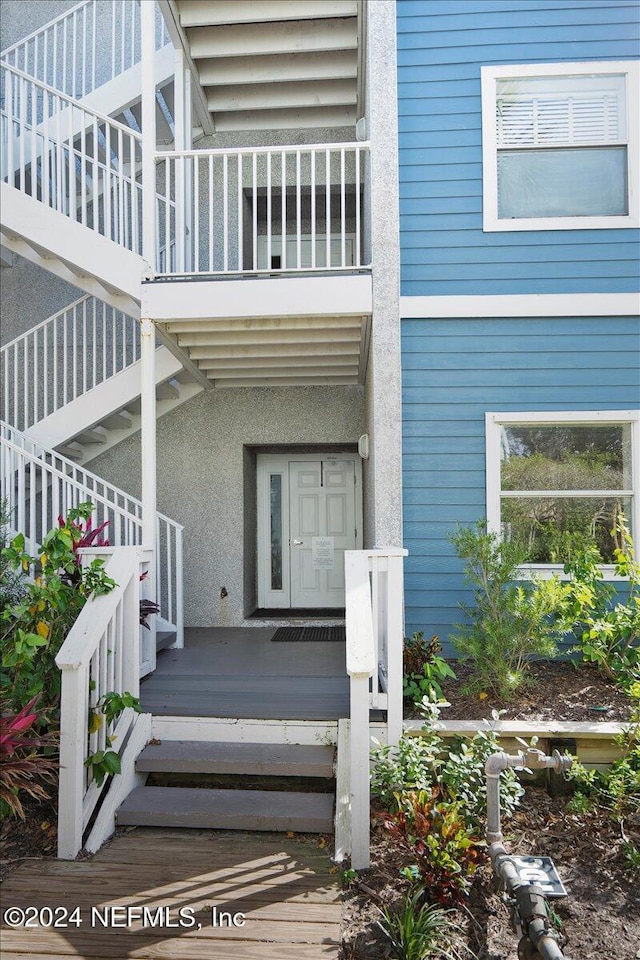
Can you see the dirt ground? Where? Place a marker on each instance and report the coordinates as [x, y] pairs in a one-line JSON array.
[[600, 917], [559, 690]]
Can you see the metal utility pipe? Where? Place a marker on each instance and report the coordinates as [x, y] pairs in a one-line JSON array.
[[530, 900]]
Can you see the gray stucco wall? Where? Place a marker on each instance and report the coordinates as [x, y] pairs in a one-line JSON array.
[[204, 478], [29, 295], [19, 18]]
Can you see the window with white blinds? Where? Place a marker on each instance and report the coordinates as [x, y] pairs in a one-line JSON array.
[[560, 146]]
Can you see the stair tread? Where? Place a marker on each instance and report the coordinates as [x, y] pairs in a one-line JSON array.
[[266, 759], [274, 810]]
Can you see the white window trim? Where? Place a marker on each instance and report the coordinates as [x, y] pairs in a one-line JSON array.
[[493, 423], [489, 78]]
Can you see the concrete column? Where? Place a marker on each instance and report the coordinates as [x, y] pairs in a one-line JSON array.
[[384, 414]]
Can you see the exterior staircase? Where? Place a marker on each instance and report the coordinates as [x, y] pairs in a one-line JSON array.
[[273, 808]]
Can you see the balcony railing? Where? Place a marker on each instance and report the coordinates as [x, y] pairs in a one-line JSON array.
[[263, 210]]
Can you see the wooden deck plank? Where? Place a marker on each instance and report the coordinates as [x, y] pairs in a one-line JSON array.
[[290, 901]]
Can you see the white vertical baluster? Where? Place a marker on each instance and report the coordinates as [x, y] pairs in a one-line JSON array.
[[113, 38], [65, 356], [121, 187], [254, 263], [283, 210], [45, 56], [343, 212], [312, 161], [169, 567], [123, 38], [73, 207], [195, 263], [55, 56], [55, 365], [358, 239], [167, 214], [225, 213], [23, 130], [95, 176], [11, 132], [83, 54], [210, 210], [60, 204], [240, 214], [94, 45], [85, 358], [298, 213], [94, 340], [74, 28], [269, 213], [83, 171], [327, 214], [36, 377], [34, 142], [104, 341], [107, 190], [25, 382]]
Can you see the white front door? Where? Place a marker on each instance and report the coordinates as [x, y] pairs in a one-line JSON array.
[[309, 513]]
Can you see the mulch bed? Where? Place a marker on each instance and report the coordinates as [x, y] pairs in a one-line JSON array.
[[600, 918], [559, 690]]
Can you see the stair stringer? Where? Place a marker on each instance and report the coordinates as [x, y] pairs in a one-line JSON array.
[[72, 251], [109, 397]]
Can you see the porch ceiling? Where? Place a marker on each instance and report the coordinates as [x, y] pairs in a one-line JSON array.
[[266, 332], [275, 64]]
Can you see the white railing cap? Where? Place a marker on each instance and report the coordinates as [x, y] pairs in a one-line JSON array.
[[361, 657]]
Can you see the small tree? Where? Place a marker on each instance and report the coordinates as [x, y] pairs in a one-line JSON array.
[[510, 622]]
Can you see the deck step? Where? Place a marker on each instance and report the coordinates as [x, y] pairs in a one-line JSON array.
[[254, 759], [227, 809]]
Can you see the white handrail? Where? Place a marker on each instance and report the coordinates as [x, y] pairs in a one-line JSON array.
[[72, 159], [39, 484], [100, 655], [262, 210], [374, 639], [61, 358], [85, 47]]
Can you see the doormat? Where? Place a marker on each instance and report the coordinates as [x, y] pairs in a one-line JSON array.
[[308, 634]]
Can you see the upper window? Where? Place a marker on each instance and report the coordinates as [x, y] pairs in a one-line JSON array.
[[558, 481], [560, 146]]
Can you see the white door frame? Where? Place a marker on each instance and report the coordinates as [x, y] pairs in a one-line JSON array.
[[277, 464]]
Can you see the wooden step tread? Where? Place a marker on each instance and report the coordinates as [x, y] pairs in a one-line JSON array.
[[255, 759], [274, 810]]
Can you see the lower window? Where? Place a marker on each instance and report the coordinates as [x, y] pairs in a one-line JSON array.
[[557, 482]]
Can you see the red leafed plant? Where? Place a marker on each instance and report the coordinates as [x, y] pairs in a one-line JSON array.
[[443, 853], [23, 767]]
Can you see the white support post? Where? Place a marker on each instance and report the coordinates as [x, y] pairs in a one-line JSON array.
[[359, 769], [73, 734], [148, 430], [394, 634], [148, 20]]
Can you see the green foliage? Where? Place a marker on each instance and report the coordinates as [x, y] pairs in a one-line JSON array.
[[607, 628], [418, 931], [455, 766], [433, 833], [509, 623], [617, 788], [33, 629], [12, 582], [24, 768], [424, 669], [111, 705], [631, 854]]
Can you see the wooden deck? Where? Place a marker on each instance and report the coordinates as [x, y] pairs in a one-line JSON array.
[[290, 901], [239, 673]]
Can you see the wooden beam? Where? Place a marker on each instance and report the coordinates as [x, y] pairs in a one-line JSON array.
[[320, 349], [169, 11], [228, 71], [257, 323], [195, 13], [290, 95], [347, 334], [249, 40]]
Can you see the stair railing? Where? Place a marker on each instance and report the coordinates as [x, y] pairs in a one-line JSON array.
[[374, 641], [85, 47], [262, 210], [61, 358], [38, 485], [100, 655], [74, 160]]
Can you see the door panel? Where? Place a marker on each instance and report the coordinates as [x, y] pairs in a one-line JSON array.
[[322, 527]]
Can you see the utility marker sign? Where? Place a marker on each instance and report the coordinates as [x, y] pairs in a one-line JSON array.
[[542, 872]]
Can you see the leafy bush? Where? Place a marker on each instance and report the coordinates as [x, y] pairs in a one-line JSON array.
[[23, 767], [434, 834], [418, 931], [33, 629], [608, 632], [454, 765], [509, 623], [12, 581], [111, 705], [424, 668]]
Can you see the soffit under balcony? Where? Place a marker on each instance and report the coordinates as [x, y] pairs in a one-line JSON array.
[[266, 332], [274, 64]]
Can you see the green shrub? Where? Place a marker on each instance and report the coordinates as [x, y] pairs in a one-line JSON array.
[[433, 833], [453, 765], [418, 931], [509, 623], [33, 629], [424, 669]]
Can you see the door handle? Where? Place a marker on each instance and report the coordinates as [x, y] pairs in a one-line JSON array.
[[296, 543]]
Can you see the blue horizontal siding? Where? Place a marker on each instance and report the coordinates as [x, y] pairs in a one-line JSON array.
[[454, 371], [441, 48]]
